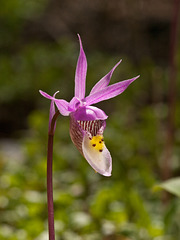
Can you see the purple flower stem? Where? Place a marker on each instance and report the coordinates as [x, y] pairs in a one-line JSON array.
[[49, 178]]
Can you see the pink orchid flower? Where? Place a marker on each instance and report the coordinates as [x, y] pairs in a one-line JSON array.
[[87, 123]]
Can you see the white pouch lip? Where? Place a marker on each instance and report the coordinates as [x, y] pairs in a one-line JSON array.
[[100, 161]]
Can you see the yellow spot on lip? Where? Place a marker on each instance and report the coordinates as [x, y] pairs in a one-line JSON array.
[[97, 142]]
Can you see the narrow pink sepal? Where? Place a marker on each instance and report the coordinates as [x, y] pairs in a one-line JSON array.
[[109, 92], [52, 112], [61, 104], [104, 81], [80, 75]]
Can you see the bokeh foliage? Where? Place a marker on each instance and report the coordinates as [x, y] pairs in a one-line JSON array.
[[87, 205]]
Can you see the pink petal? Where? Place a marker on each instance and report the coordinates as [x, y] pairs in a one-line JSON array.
[[109, 92], [104, 81], [61, 104], [80, 76], [89, 113]]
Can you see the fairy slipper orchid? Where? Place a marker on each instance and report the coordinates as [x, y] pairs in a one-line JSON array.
[[87, 123]]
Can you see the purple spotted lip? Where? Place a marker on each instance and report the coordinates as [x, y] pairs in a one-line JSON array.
[[87, 123]]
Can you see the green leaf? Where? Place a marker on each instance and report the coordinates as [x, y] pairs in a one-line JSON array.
[[171, 185]]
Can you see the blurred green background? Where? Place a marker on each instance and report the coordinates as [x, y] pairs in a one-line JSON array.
[[38, 50]]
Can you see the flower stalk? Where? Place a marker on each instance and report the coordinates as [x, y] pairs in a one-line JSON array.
[[50, 178]]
